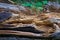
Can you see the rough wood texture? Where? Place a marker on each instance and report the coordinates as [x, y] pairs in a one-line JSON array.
[[40, 22], [20, 33]]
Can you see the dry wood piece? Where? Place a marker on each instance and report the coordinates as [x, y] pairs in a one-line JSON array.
[[45, 22], [43, 16], [40, 21], [19, 33], [24, 21]]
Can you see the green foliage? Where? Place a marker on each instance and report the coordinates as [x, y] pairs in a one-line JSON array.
[[38, 4], [27, 4]]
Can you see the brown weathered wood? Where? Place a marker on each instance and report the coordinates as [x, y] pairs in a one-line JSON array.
[[19, 33]]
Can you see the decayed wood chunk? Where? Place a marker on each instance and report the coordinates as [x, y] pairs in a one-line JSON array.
[[44, 25]]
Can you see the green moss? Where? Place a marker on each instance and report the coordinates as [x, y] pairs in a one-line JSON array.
[[27, 4], [45, 2], [38, 4]]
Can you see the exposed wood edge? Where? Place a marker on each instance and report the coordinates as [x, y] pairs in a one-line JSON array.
[[20, 33]]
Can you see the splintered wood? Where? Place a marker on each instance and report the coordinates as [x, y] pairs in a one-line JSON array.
[[40, 21]]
